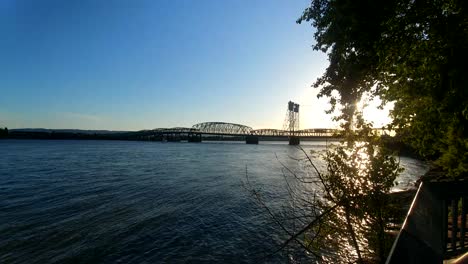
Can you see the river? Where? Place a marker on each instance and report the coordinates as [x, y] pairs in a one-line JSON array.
[[144, 202]]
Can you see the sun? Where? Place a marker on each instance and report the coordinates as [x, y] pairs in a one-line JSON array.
[[372, 113]]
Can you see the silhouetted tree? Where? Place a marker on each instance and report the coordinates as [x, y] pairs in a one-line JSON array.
[[341, 213], [412, 53], [4, 133]]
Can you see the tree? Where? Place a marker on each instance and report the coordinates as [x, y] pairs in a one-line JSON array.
[[4, 133], [410, 52], [341, 213]]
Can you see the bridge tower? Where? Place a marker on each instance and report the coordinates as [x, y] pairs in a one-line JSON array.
[[291, 123]]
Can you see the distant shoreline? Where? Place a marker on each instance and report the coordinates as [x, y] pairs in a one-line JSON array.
[[46, 134], [71, 134]]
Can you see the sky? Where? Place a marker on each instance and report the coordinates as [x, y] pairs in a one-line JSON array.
[[143, 64]]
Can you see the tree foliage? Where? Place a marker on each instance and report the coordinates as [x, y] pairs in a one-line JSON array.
[[410, 52], [342, 212], [3, 132], [360, 173]]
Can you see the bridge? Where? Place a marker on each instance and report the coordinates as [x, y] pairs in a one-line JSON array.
[[230, 129], [196, 133]]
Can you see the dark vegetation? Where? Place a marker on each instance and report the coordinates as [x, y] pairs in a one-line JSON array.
[[4, 133], [70, 134], [342, 212], [142, 135], [412, 53]]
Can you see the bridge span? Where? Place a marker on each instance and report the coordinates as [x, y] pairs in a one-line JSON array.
[[221, 128], [197, 131]]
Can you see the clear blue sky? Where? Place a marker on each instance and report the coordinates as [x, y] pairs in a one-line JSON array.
[[131, 65]]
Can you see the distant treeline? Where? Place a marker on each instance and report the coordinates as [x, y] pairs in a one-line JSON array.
[[86, 135], [115, 135], [71, 135], [140, 136], [4, 132], [393, 143]]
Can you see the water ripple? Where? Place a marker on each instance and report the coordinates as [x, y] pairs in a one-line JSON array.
[[139, 202]]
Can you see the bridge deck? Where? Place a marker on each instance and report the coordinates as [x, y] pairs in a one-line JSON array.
[[230, 129]]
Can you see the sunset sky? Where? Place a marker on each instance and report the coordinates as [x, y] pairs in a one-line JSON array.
[[131, 65]]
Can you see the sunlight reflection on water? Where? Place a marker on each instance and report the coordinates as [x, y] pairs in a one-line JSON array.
[[133, 202]]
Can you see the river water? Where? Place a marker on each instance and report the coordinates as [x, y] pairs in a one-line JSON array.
[[144, 202]]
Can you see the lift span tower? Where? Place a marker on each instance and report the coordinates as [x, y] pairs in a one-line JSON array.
[[291, 123]]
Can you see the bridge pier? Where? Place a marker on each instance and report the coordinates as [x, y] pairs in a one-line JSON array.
[[194, 137], [294, 140], [251, 139], [157, 137], [172, 138]]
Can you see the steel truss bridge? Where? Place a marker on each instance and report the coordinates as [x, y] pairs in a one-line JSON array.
[[221, 128], [230, 129], [194, 134]]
